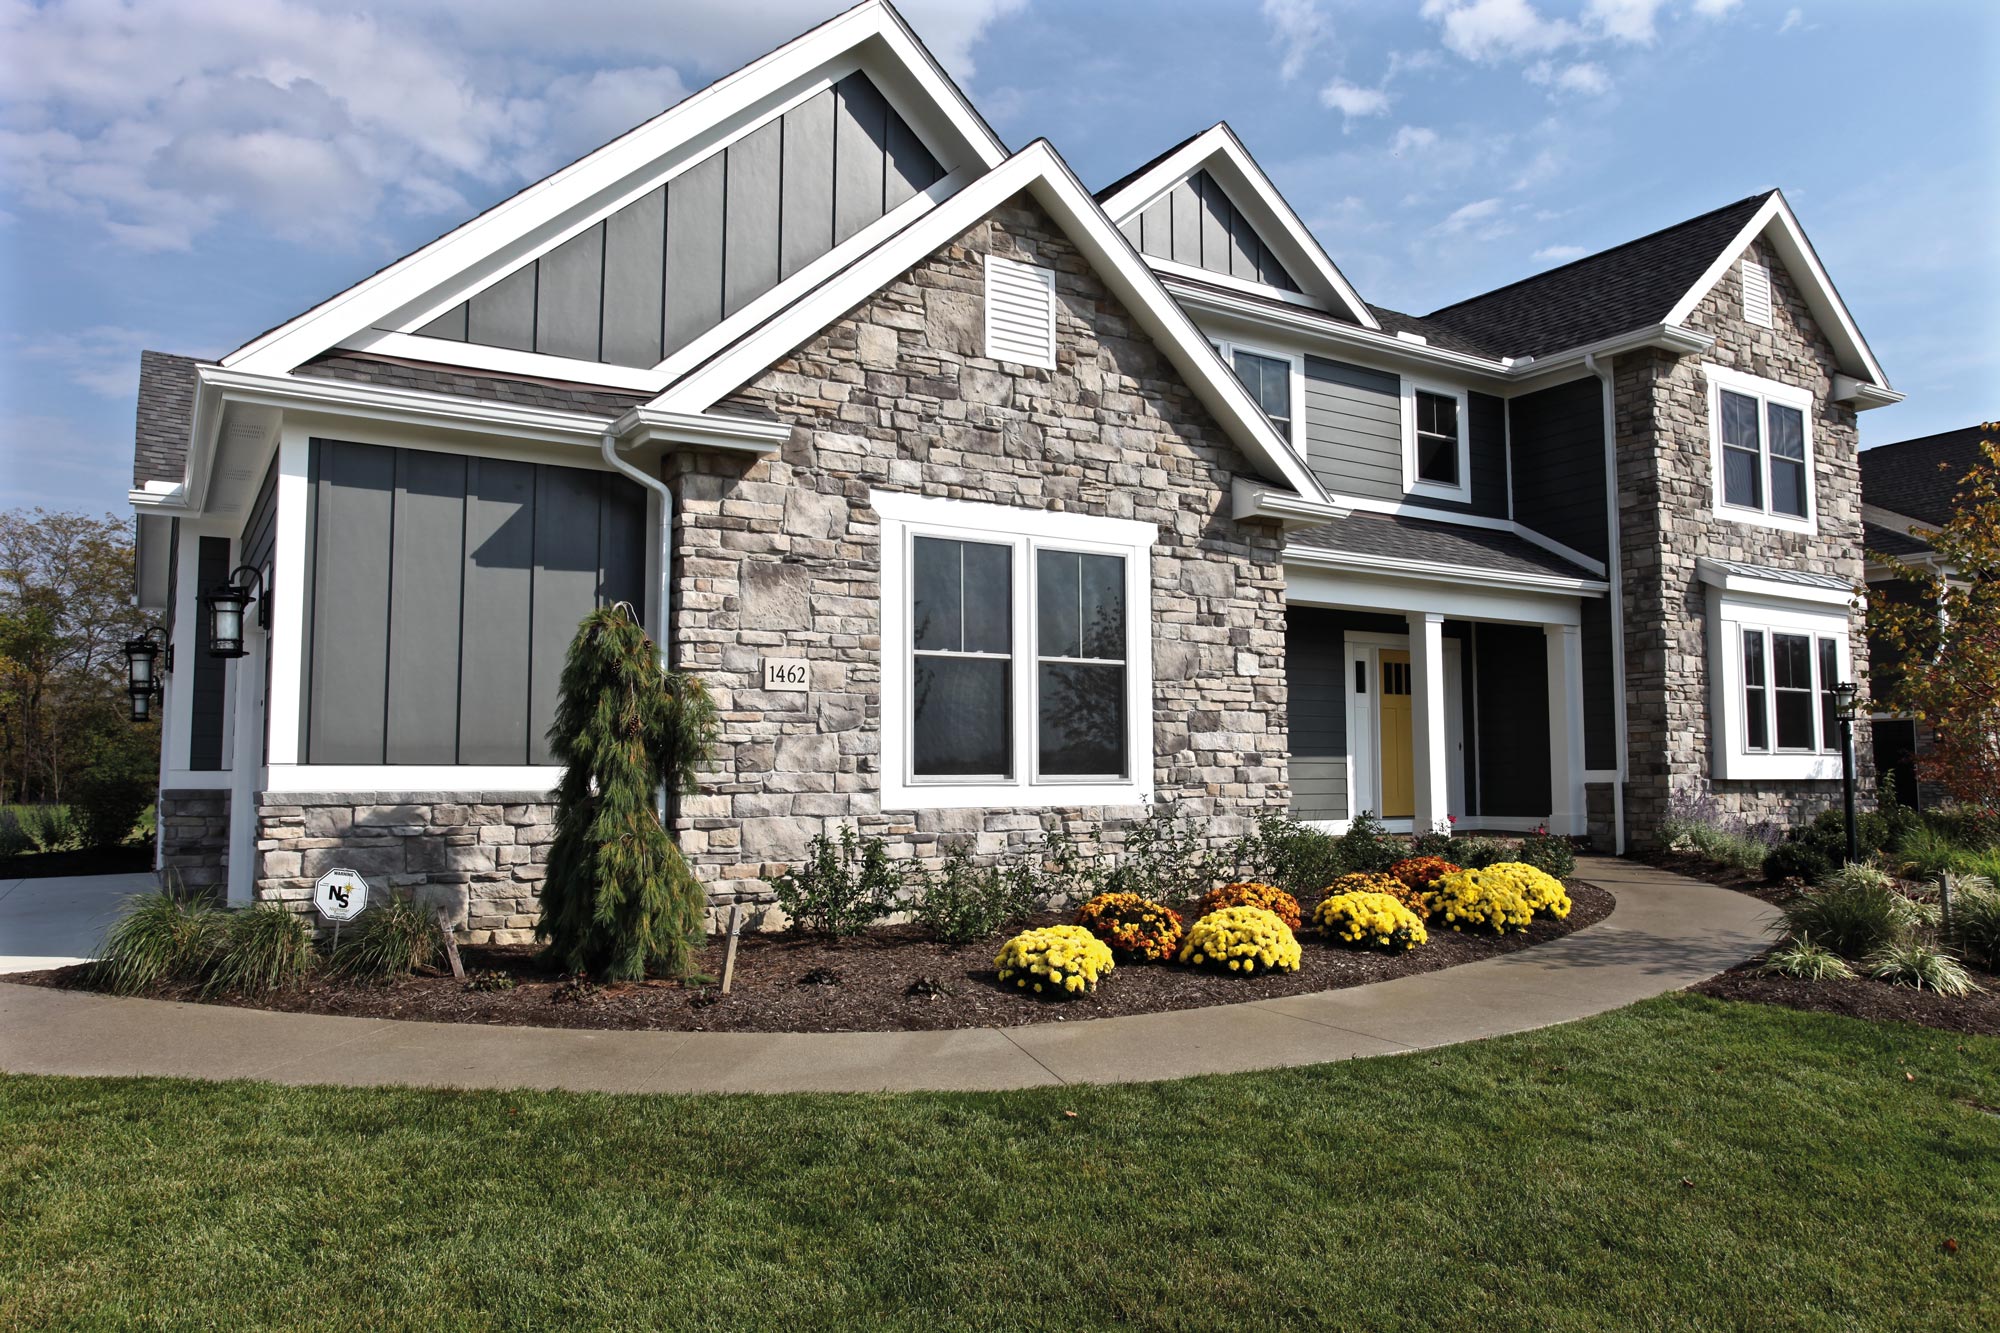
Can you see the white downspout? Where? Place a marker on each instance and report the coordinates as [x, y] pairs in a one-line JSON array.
[[663, 556], [1613, 569]]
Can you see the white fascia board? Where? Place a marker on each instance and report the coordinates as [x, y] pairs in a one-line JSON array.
[[690, 129], [725, 434], [1848, 389], [406, 406], [1249, 499], [1223, 154], [1770, 590], [1895, 522], [1369, 589], [1776, 223], [1433, 571], [1040, 171]]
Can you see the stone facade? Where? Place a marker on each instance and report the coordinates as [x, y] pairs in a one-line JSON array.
[[488, 851], [1667, 521], [784, 554], [194, 838]]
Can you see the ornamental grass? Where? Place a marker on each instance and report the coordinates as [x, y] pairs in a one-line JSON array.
[[1242, 940], [1370, 921], [1249, 893], [1136, 928], [1380, 881], [1054, 961]]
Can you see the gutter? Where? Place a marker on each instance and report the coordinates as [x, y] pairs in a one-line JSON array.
[[1614, 572], [607, 445]]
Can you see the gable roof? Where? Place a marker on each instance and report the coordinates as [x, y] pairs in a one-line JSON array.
[[165, 415], [1222, 155], [481, 386], [1918, 478]]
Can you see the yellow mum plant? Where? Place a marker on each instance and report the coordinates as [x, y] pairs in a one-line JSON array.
[[1543, 892], [1477, 900], [1376, 881], [1243, 940], [1054, 960], [1249, 893], [1371, 921]]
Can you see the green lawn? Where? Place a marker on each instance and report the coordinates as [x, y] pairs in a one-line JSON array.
[[1682, 1164]]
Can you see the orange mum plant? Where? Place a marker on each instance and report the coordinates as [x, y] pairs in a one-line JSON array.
[[1420, 872], [1135, 927], [1248, 893]]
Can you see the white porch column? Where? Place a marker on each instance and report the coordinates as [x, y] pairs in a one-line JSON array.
[[1565, 670], [1429, 762], [288, 597]]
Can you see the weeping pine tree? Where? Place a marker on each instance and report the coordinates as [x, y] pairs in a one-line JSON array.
[[619, 900]]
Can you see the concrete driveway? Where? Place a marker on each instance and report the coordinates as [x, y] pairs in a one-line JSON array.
[[61, 919]]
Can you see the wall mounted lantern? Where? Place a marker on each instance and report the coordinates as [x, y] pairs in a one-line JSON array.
[[148, 656], [226, 602]]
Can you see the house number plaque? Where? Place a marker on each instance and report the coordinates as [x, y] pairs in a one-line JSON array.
[[787, 673]]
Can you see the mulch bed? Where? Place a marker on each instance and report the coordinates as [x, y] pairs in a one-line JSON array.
[[1977, 1013], [890, 979], [1722, 876]]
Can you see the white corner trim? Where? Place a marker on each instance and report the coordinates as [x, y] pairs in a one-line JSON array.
[[1720, 378], [1413, 484]]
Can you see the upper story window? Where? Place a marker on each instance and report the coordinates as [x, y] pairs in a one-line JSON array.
[[1015, 656], [1273, 379], [1436, 453], [1761, 450]]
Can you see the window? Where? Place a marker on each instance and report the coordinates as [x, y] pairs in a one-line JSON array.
[[1762, 455], [1788, 683], [1436, 454], [1778, 641], [1015, 656], [1269, 377], [1020, 312], [1756, 693]]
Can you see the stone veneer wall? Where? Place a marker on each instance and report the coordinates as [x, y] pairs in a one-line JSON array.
[[194, 838], [784, 554], [1667, 521], [492, 847]]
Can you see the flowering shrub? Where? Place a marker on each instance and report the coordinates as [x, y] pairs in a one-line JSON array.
[[1134, 927], [1420, 872], [1541, 891], [1370, 920], [1065, 960], [1246, 940], [1479, 899], [1376, 881], [1250, 894]]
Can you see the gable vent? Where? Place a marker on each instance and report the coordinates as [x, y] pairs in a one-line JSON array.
[[1020, 312], [1756, 293]]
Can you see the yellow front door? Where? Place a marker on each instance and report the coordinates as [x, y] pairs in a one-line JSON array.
[[1399, 794]]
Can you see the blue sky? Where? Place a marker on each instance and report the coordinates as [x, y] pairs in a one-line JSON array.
[[184, 175]]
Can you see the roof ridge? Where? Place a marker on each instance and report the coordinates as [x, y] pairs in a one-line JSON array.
[[1610, 250], [1135, 173]]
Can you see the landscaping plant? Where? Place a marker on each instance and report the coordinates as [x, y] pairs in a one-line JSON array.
[[960, 902], [1367, 845], [1420, 872], [1476, 852], [264, 948], [1370, 921], [1974, 926], [1288, 854], [846, 883], [162, 937], [619, 899], [1362, 881], [1542, 892], [1244, 940], [1796, 860], [1547, 852], [1054, 961], [1481, 900], [1920, 966], [1249, 893], [393, 938], [1162, 857], [1854, 916], [1136, 929], [1801, 958]]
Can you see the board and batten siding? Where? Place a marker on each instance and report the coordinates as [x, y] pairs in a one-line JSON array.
[[650, 278], [210, 674], [1354, 438], [443, 594], [1316, 688], [1511, 702], [1197, 224]]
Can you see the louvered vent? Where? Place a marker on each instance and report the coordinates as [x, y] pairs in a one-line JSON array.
[[1020, 313], [1756, 293]]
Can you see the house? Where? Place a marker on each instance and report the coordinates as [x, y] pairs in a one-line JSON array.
[[986, 505], [1907, 489]]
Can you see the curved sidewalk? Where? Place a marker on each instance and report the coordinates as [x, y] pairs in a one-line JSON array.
[[1667, 932]]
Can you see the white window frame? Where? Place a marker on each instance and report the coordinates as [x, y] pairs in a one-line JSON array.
[[1043, 277], [1414, 484], [1227, 348], [1765, 392], [906, 517], [1731, 615]]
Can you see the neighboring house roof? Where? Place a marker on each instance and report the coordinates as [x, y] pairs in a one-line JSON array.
[[1919, 477], [1400, 538], [1600, 296], [166, 414], [1878, 540], [460, 382]]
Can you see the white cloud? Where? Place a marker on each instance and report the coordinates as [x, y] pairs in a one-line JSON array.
[[1624, 20], [1795, 18], [1470, 215], [1352, 101], [1297, 28], [1412, 139], [1411, 62], [1486, 30], [103, 359], [1714, 9], [1559, 254], [1586, 78]]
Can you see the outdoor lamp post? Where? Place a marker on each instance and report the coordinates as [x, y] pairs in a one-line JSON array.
[[1846, 702], [226, 602], [147, 655]]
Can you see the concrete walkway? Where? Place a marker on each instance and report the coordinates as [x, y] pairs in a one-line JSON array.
[[1667, 933], [61, 919]]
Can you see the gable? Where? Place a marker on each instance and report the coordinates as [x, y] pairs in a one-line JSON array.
[[638, 285], [1196, 224]]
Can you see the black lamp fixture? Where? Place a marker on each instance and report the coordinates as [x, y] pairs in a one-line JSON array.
[[148, 656], [1846, 704], [225, 603]]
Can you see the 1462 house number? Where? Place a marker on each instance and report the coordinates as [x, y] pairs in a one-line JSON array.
[[787, 673]]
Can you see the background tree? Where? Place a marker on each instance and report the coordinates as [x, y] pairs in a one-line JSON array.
[[65, 612], [620, 899], [1942, 658]]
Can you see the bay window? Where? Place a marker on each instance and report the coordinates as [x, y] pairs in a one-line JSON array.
[[1778, 648], [1015, 656]]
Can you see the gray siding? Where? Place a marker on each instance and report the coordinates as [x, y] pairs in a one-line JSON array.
[[1354, 435], [1486, 445], [658, 273], [1316, 688], [1511, 695], [1196, 224], [260, 530], [444, 591], [209, 674]]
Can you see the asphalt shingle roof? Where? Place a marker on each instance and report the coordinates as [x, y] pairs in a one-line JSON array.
[[1879, 540], [460, 382], [1398, 537], [1919, 477], [1600, 296], [166, 413]]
